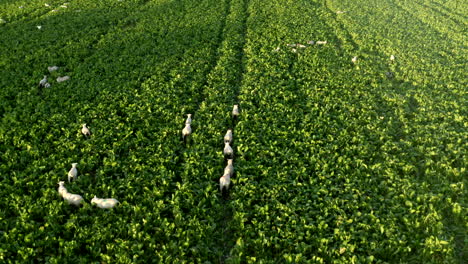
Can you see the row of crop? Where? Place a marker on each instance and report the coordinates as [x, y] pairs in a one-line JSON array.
[[326, 178], [132, 90]]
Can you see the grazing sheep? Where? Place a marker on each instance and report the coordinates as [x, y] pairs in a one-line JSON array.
[[52, 68], [300, 46], [47, 85], [186, 132], [62, 79], [104, 203], [341, 12], [311, 42], [85, 131], [71, 198], [229, 168], [277, 49], [235, 112], [47, 5], [294, 50], [228, 136], [392, 57], [228, 151], [224, 183], [321, 42], [354, 59], [43, 82], [73, 173], [2, 21], [39, 27], [189, 119]]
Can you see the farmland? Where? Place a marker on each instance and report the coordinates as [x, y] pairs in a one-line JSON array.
[[336, 161]]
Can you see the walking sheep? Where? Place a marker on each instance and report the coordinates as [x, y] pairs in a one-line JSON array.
[[189, 119], [73, 173], [85, 131], [224, 183], [229, 168], [235, 112], [186, 132], [43, 82], [228, 151], [228, 136], [104, 203], [71, 198]]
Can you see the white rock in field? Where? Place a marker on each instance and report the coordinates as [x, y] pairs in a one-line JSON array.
[[228, 136], [392, 57], [224, 182], [228, 151], [73, 173], [39, 27], [85, 131], [229, 168], [62, 79], [43, 82], [61, 189], [71, 198], [235, 111], [189, 119], [354, 59], [320, 42], [186, 132], [104, 203], [52, 68], [311, 42]]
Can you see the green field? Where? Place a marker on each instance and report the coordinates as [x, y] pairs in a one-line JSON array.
[[336, 161]]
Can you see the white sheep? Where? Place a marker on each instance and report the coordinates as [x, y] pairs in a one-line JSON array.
[[320, 42], [235, 111], [228, 151], [224, 182], [47, 85], [277, 49], [61, 189], [341, 12], [52, 68], [229, 168], [189, 119], [85, 131], [228, 136], [186, 132], [73, 173], [47, 5], [354, 59], [392, 57], [104, 203], [300, 46], [311, 42], [62, 79], [71, 198], [39, 27], [43, 82]]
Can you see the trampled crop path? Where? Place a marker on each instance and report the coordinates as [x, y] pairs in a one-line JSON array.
[[350, 146]]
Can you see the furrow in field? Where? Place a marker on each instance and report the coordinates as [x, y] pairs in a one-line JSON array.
[[446, 28]]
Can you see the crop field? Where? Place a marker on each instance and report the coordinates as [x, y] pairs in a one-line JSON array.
[[351, 145]]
